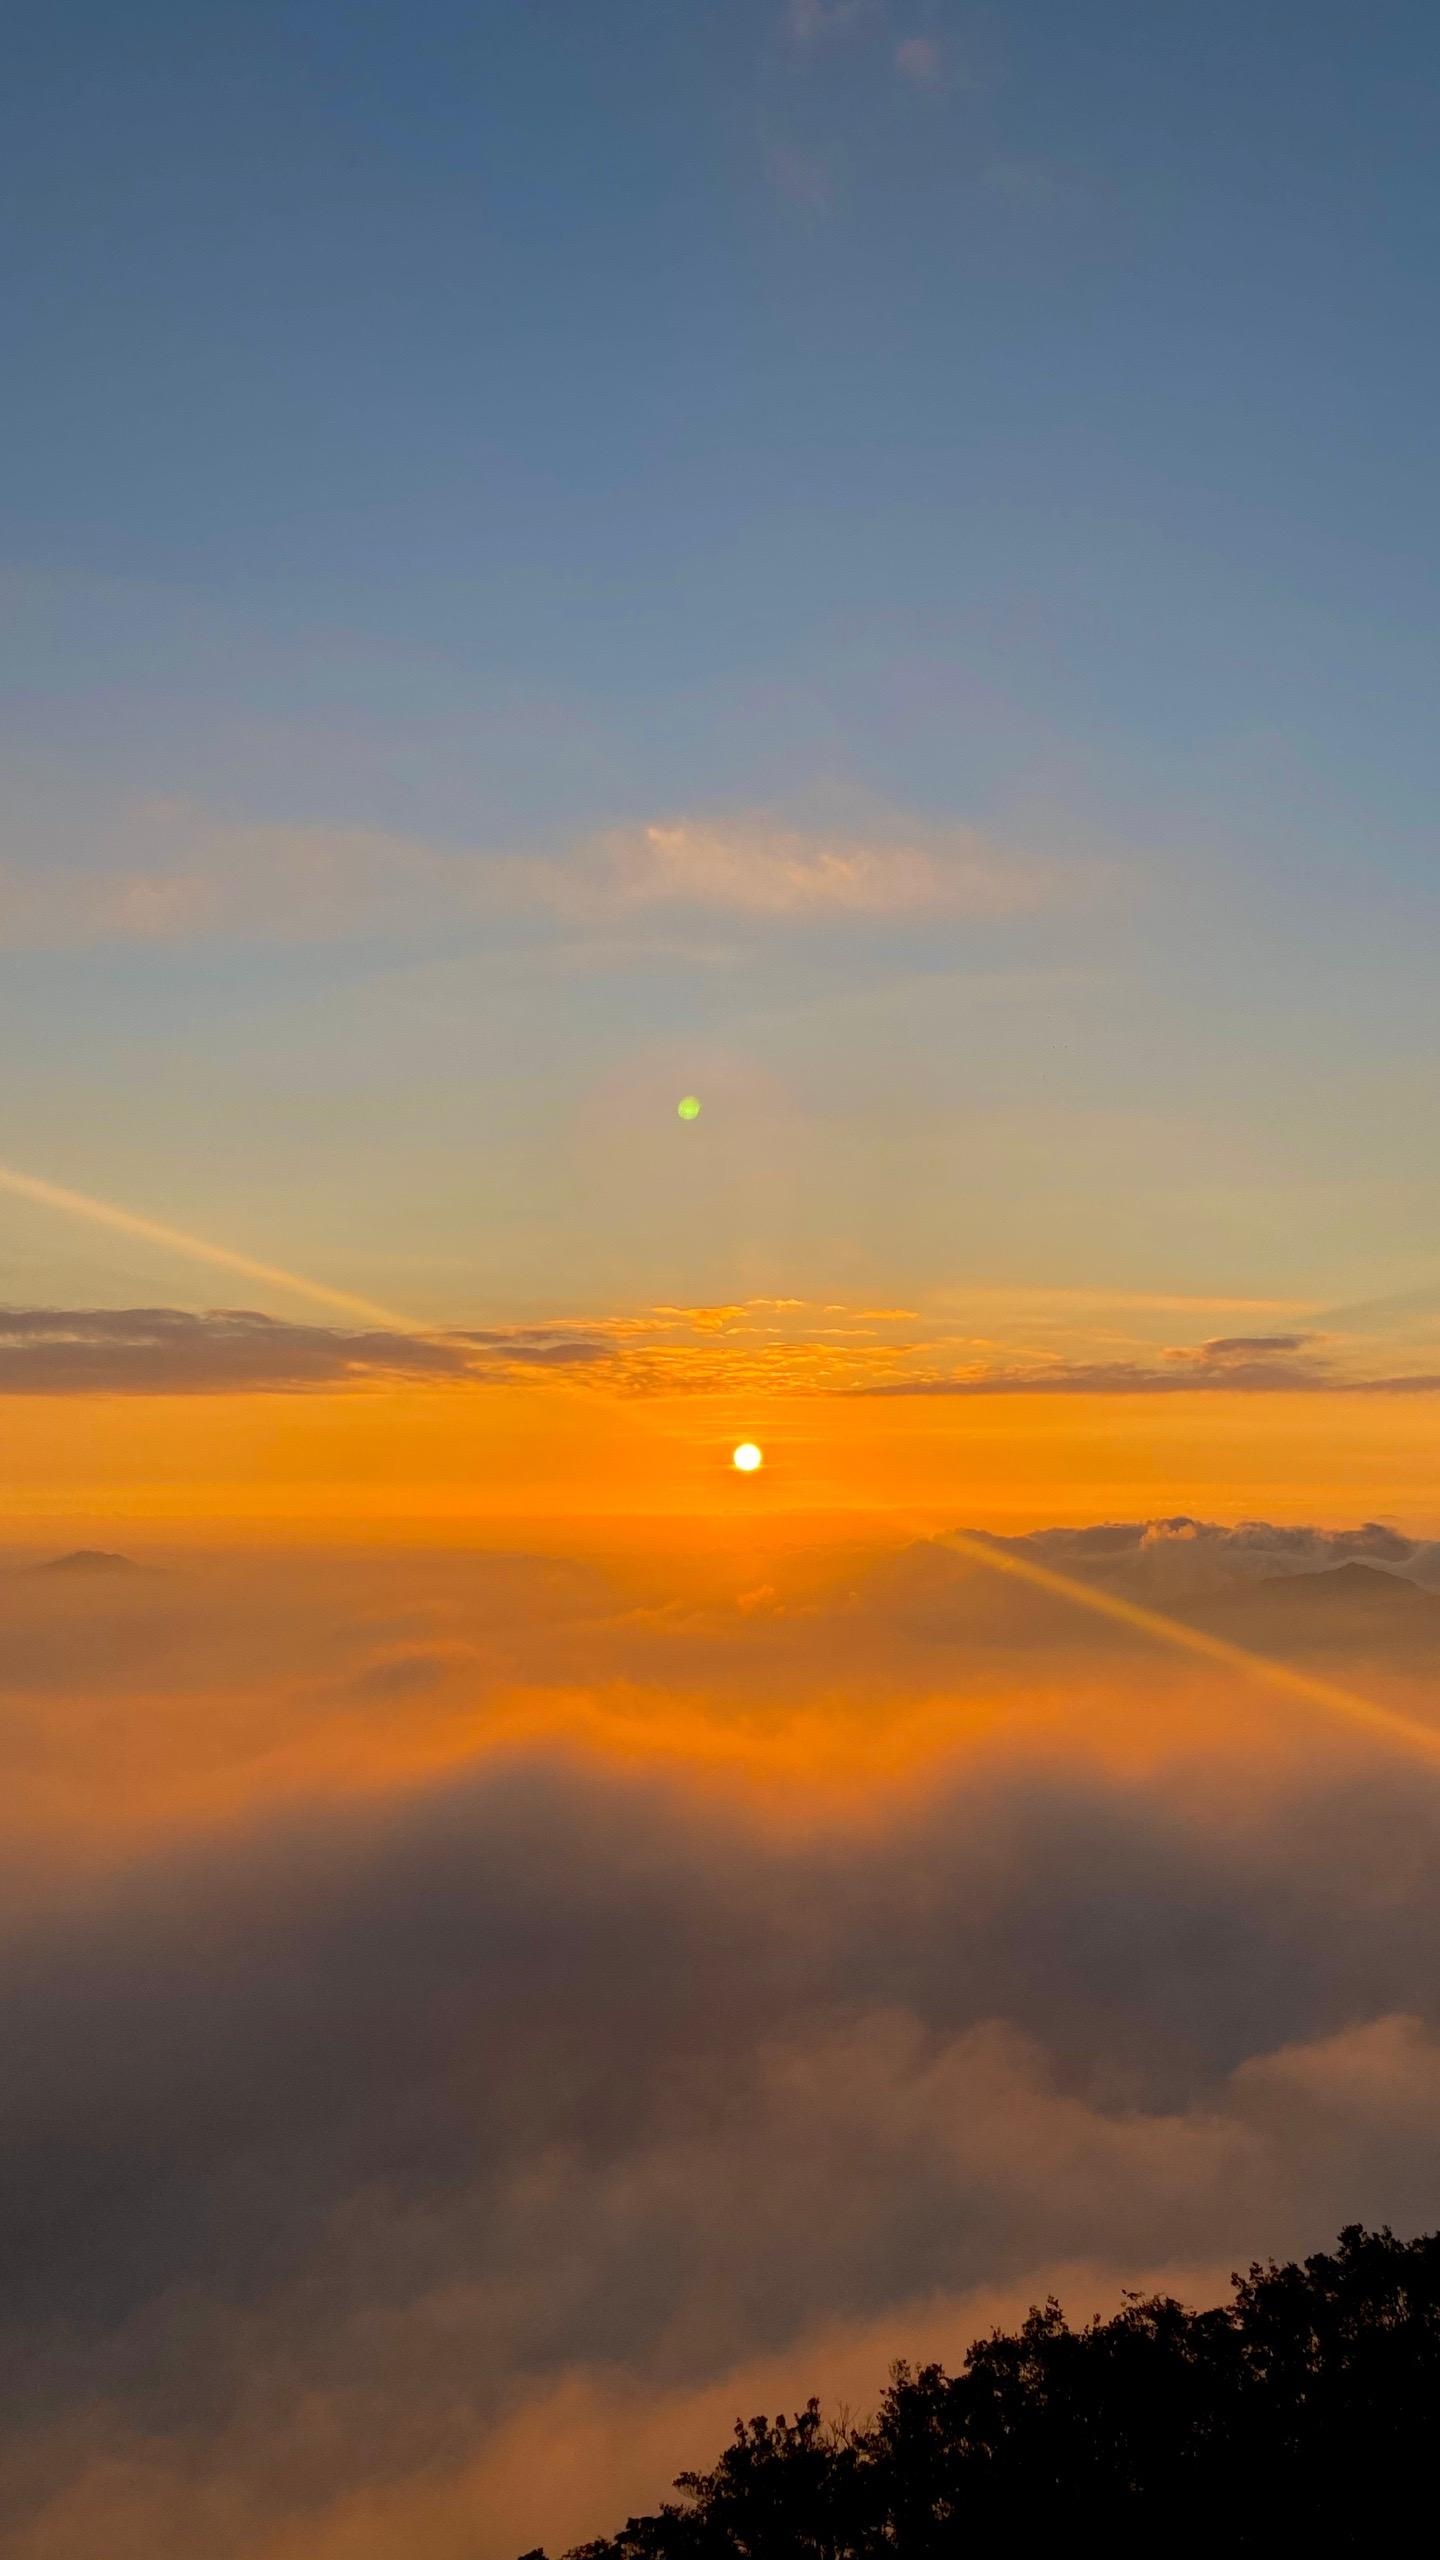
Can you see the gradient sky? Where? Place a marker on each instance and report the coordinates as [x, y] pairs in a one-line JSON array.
[[873, 562], [867, 559]]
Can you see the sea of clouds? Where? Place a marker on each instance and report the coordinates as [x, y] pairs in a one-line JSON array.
[[476, 2025]]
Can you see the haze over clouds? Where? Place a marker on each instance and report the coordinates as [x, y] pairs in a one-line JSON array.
[[449, 2007]]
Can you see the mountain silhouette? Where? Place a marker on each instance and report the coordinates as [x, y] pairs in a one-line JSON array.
[[90, 1561], [1348, 1606]]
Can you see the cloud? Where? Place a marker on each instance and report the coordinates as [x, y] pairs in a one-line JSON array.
[[166, 875], [167, 1351], [1356, 1604], [919, 60], [751, 867], [368, 2166], [800, 176], [1375, 1314], [807, 24], [1168, 1562], [757, 1347], [1034, 187], [763, 1343], [1243, 1364], [1248, 1546]]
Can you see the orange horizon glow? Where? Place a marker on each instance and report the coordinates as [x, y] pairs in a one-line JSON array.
[[413, 1459]]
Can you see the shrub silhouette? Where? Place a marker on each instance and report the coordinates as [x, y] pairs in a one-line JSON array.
[[1305, 2412]]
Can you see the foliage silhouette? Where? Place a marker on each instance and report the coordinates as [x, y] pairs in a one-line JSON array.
[[1306, 2410]]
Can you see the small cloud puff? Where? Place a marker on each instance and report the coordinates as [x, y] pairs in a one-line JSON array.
[[808, 23], [800, 177], [918, 59], [750, 866]]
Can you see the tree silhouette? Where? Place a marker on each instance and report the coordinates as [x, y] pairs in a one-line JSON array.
[[1307, 2410]]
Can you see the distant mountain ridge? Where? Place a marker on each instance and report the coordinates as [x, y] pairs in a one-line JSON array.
[[90, 1560], [1348, 1604], [1168, 1560], [1308, 1590], [1348, 1585]]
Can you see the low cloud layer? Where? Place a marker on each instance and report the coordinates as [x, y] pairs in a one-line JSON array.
[[759, 1347], [440, 2098], [1245, 1364], [1178, 1555], [48, 1351]]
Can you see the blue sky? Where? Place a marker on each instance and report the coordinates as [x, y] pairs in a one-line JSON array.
[[490, 432]]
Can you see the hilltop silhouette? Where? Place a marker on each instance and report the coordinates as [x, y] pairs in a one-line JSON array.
[[1301, 2415], [85, 1562], [1353, 1606]]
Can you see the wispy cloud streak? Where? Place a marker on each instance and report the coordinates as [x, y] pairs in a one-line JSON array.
[[227, 1351], [167, 876]]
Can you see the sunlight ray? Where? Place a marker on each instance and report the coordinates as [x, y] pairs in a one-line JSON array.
[[272, 1275], [1389, 1721]]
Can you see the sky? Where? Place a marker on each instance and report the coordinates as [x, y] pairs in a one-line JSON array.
[[871, 563]]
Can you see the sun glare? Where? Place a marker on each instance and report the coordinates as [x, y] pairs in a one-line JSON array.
[[747, 1458]]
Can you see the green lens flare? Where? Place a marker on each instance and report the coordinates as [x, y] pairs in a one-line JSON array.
[[689, 1109]]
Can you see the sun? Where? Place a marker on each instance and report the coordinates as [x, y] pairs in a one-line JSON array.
[[747, 1458]]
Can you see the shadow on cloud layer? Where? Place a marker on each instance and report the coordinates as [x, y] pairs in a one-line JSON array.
[[357, 2133]]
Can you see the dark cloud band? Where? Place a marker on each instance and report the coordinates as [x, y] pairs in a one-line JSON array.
[[47, 1351]]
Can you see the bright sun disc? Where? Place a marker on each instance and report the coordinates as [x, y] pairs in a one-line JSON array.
[[747, 1458]]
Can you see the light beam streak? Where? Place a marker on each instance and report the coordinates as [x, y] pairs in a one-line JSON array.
[[106, 1213], [1346, 1703], [1207, 1648]]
